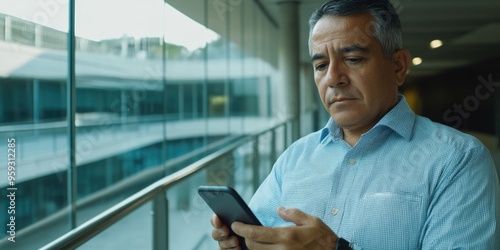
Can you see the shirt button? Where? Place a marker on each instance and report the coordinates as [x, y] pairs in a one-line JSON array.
[[335, 211], [352, 161]]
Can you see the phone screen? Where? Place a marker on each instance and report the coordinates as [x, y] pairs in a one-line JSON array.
[[229, 206]]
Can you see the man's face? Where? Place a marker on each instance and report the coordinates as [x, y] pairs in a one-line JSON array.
[[356, 83]]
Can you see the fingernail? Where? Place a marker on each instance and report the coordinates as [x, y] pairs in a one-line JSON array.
[[280, 208]]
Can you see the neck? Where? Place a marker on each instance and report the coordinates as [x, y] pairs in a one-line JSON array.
[[351, 137], [352, 134]]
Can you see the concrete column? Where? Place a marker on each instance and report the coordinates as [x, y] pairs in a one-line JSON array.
[[289, 57], [8, 29], [263, 90], [308, 97], [124, 46], [38, 35]]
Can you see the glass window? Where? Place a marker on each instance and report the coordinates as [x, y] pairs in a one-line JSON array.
[[119, 100], [158, 86], [33, 72]]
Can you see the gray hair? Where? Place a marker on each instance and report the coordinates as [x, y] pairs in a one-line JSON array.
[[386, 24]]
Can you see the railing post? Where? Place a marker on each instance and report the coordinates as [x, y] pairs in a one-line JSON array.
[[256, 163], [160, 221]]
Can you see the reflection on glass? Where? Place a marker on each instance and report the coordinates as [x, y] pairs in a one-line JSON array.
[[155, 91], [119, 101], [32, 115]]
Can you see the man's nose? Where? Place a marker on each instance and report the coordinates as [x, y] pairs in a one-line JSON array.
[[336, 74]]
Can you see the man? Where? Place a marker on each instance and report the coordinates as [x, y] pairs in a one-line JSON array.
[[377, 176]]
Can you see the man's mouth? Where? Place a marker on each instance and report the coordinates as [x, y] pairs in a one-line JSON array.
[[341, 99]]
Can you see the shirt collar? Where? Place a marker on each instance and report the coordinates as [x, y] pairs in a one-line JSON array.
[[400, 119], [331, 129]]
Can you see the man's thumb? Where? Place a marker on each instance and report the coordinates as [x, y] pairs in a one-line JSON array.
[[293, 215]]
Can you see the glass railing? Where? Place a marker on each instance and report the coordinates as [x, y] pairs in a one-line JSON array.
[[168, 214]]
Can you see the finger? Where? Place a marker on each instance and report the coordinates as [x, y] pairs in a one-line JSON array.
[[229, 243], [220, 234], [293, 215], [216, 222], [255, 233], [259, 245], [220, 231]]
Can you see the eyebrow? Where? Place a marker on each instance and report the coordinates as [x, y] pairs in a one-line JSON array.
[[354, 48], [344, 50], [317, 57]]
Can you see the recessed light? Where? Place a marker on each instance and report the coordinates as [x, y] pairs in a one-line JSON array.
[[436, 44], [416, 61]]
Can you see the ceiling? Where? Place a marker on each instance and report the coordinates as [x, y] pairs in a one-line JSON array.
[[469, 29]]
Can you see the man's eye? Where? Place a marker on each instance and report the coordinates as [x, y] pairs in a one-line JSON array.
[[354, 60], [320, 66]]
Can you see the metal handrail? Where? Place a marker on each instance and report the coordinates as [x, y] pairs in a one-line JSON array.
[[97, 224]]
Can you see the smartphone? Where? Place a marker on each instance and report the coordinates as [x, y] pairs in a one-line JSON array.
[[228, 205]]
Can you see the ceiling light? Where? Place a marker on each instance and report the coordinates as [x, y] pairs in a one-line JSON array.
[[436, 44], [417, 61]]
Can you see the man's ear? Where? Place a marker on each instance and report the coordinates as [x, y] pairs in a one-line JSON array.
[[402, 60]]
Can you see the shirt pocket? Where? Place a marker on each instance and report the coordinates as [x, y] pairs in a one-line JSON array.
[[389, 221]]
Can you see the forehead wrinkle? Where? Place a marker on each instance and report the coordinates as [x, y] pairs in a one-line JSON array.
[[343, 33], [321, 50]]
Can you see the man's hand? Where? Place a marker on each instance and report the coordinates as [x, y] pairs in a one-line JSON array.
[[220, 233], [309, 233]]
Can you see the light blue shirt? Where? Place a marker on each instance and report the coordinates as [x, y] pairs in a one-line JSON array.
[[408, 183]]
